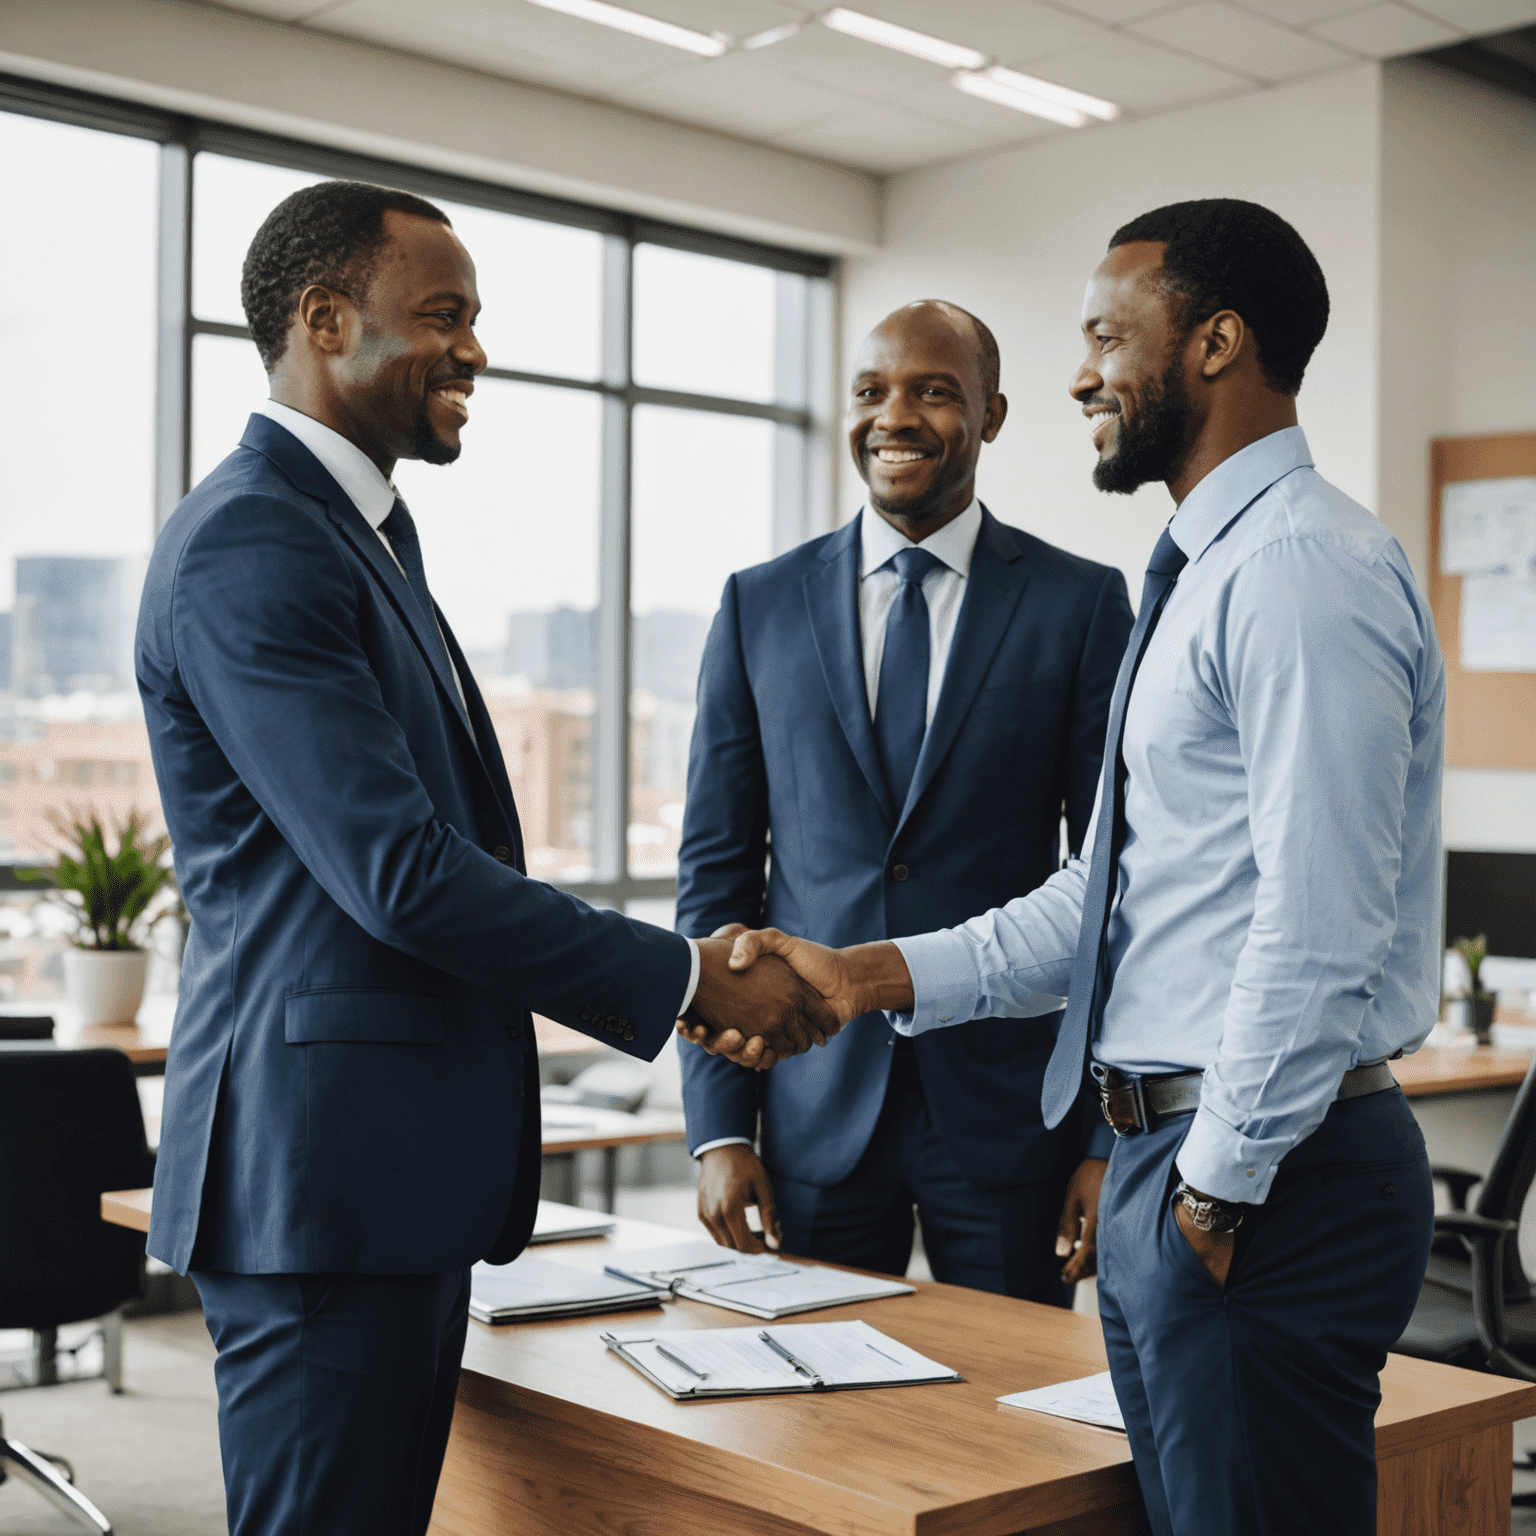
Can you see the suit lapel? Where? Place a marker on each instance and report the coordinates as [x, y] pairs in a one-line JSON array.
[[832, 603], [992, 590], [310, 476]]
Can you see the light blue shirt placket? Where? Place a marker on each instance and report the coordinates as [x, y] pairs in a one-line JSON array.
[[1276, 921]]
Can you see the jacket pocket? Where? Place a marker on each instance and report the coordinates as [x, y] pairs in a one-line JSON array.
[[363, 1016]]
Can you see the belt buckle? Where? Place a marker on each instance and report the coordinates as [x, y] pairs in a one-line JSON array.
[[1122, 1100]]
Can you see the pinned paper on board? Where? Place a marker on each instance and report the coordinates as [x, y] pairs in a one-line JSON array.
[[1488, 538]]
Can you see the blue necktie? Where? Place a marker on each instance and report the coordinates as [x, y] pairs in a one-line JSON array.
[[1089, 986], [400, 529], [901, 702]]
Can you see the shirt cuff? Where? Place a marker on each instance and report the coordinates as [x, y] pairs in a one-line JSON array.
[[1219, 1161], [693, 978], [945, 984], [719, 1141]]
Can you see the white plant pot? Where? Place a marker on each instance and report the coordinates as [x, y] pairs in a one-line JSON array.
[[106, 985]]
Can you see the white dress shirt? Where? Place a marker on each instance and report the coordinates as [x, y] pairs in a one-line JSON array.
[[374, 497], [943, 591], [1277, 915]]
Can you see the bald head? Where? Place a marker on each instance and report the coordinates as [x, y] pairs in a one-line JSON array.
[[924, 401]]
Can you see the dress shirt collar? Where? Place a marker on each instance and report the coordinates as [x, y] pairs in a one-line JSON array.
[[1234, 485], [954, 543], [348, 465]]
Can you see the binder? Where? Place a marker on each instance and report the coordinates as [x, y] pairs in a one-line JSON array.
[[558, 1223], [692, 1365], [531, 1288]]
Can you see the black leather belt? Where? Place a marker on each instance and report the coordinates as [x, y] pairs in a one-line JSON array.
[[1136, 1104]]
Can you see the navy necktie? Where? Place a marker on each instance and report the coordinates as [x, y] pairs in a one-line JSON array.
[[400, 529], [1089, 986], [901, 701]]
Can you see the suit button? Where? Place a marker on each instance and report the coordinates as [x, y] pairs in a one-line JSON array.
[[629, 1031], [899, 872], [586, 1015], [514, 1032], [504, 854]]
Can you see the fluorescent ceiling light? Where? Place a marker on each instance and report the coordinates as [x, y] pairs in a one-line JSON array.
[[889, 35], [1105, 111], [1040, 98], [710, 45], [770, 37]]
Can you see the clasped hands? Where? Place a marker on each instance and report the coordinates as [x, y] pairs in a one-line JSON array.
[[763, 995]]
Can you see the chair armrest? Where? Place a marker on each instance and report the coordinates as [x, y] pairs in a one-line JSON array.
[[1469, 1225], [1457, 1182], [1486, 1237]]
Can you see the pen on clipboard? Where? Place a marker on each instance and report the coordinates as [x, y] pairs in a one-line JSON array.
[[666, 1354], [784, 1354]]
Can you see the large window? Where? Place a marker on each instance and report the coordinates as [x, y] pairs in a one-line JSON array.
[[649, 423]]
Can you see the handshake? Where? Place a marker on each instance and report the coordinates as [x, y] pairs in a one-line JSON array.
[[763, 995]]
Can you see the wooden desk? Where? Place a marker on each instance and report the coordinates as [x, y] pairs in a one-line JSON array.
[[554, 1436], [604, 1130], [127, 1208], [144, 1042], [1454, 1069]]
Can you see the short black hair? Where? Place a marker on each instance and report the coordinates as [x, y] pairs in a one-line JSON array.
[[331, 233], [988, 356], [1226, 254]]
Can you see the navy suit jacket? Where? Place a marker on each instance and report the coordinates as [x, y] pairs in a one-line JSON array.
[[352, 1080], [784, 751]]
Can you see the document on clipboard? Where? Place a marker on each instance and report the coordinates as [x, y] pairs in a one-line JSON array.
[[693, 1364], [759, 1284]]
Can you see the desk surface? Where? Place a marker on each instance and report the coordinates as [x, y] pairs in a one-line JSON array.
[[935, 1459], [144, 1042], [1458, 1069], [578, 1128]]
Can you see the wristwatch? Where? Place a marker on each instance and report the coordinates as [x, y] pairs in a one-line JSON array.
[[1208, 1213]]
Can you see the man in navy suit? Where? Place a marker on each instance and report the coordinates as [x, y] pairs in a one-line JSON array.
[[904, 710], [351, 1095]]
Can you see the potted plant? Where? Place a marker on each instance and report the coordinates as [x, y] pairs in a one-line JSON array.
[[109, 893], [1479, 1001]]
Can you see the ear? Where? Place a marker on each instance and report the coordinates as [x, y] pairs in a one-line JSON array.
[[996, 414], [326, 318], [1221, 340]]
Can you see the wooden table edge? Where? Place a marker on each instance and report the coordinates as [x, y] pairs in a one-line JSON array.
[[127, 1208]]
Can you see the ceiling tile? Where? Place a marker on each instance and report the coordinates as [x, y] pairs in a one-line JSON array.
[[1481, 16], [1386, 31], [1230, 37], [986, 119], [1113, 13], [1005, 29], [1138, 76], [843, 63], [1302, 13], [737, 94], [876, 138], [508, 37]]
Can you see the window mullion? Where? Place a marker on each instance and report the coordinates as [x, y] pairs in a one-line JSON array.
[[173, 363]]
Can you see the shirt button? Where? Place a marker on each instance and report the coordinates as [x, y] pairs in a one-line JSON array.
[[944, 1018], [504, 854], [1250, 1173], [899, 872]]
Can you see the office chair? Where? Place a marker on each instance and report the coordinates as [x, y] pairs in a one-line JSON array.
[[70, 1128], [34, 1027], [1475, 1309]]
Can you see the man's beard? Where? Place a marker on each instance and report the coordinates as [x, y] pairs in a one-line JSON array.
[[1148, 446], [427, 445]]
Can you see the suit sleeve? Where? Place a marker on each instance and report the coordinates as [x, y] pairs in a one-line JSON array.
[[1103, 650], [267, 642], [722, 863]]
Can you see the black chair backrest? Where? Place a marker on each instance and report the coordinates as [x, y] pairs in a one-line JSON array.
[[1509, 1178], [37, 1026], [70, 1127]]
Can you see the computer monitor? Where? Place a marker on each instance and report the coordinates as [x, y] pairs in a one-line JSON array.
[[1492, 893]]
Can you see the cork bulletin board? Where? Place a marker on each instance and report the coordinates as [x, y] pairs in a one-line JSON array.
[[1490, 717]]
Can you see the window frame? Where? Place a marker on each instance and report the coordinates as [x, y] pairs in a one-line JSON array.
[[805, 318]]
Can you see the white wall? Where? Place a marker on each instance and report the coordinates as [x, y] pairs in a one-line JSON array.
[[1014, 236], [1458, 328], [255, 73]]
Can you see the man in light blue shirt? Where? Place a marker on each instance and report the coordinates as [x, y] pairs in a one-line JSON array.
[[1255, 932]]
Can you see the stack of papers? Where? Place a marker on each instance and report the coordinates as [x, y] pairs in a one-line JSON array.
[[752, 1362], [530, 1288], [558, 1223], [1089, 1400], [758, 1284]]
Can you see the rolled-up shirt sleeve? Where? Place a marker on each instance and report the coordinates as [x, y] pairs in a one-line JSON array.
[[1011, 962], [1316, 662]]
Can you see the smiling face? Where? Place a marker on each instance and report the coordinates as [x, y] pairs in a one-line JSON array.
[[919, 415], [405, 370], [1132, 385]]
